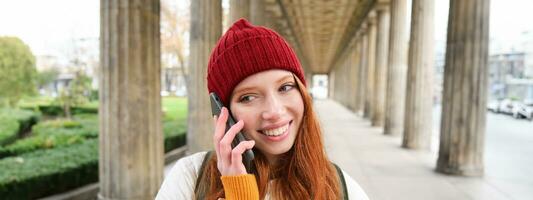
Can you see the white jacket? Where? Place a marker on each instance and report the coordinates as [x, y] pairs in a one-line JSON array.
[[180, 182]]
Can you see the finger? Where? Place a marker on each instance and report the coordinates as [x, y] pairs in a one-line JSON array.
[[220, 128], [225, 143], [216, 138], [236, 153]]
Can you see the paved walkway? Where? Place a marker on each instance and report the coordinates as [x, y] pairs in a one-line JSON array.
[[387, 171]]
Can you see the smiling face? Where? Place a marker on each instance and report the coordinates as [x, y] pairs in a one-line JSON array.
[[271, 107]]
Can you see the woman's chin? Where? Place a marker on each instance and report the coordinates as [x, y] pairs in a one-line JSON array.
[[277, 151]]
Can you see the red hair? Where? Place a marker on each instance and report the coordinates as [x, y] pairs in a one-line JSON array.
[[304, 172]]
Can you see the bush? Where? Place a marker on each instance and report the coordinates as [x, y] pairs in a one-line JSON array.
[[46, 172], [57, 110], [59, 123], [9, 128], [13, 122], [40, 142], [50, 134], [69, 164], [174, 133], [52, 110], [25, 118]]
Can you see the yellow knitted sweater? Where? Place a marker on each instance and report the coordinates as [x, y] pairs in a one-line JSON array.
[[240, 187]]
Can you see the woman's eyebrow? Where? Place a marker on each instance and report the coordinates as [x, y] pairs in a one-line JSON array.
[[241, 90], [283, 78]]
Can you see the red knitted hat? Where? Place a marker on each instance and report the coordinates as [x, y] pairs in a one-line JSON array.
[[244, 50]]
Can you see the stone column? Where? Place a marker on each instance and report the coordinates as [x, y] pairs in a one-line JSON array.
[[346, 74], [342, 82], [382, 52], [371, 65], [257, 12], [419, 99], [465, 89], [331, 84], [206, 29], [131, 138], [363, 65], [238, 9], [355, 65], [352, 88], [397, 72]]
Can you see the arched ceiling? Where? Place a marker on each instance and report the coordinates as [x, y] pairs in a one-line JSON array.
[[320, 29]]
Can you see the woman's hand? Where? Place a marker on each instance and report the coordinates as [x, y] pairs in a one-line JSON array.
[[229, 161]]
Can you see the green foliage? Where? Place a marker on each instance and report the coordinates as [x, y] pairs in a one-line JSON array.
[[17, 71], [77, 93], [13, 122], [57, 110], [175, 108], [25, 118], [8, 130], [70, 163], [46, 172], [51, 134], [174, 133], [93, 96], [51, 110], [47, 76]]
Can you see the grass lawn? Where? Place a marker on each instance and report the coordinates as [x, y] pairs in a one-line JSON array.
[[175, 108]]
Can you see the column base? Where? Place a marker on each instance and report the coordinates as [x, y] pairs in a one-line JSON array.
[[472, 171]]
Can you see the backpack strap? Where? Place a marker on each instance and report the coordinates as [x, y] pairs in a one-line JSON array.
[[199, 191], [342, 182]]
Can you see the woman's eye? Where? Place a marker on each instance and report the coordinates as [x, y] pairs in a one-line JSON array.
[[285, 88], [245, 99]]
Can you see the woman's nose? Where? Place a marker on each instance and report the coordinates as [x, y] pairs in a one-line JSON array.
[[274, 109]]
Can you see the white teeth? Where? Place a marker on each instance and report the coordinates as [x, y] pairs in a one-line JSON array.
[[277, 131]]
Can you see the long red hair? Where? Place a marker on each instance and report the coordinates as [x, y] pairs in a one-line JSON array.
[[304, 172]]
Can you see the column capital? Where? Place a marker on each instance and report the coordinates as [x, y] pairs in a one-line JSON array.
[[362, 29], [371, 18], [382, 6]]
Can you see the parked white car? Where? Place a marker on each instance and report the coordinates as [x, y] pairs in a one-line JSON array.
[[521, 110], [505, 106], [493, 106]]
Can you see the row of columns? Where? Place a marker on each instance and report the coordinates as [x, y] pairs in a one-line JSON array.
[[131, 139], [390, 78]]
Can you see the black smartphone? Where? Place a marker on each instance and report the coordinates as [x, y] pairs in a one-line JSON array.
[[248, 155]]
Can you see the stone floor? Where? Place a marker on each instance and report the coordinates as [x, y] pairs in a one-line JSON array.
[[387, 171]]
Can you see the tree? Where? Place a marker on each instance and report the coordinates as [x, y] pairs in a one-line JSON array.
[[76, 93], [17, 71], [175, 22], [46, 77]]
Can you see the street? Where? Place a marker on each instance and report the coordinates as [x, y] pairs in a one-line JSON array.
[[508, 153]]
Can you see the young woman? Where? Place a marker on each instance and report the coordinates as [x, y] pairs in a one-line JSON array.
[[258, 76]]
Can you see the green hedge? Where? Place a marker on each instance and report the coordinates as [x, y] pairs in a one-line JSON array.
[[9, 129], [57, 110], [46, 172], [174, 133], [50, 134], [24, 119]]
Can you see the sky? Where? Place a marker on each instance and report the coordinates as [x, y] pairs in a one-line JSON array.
[[49, 27]]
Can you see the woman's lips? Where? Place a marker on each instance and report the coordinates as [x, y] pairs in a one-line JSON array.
[[279, 137]]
